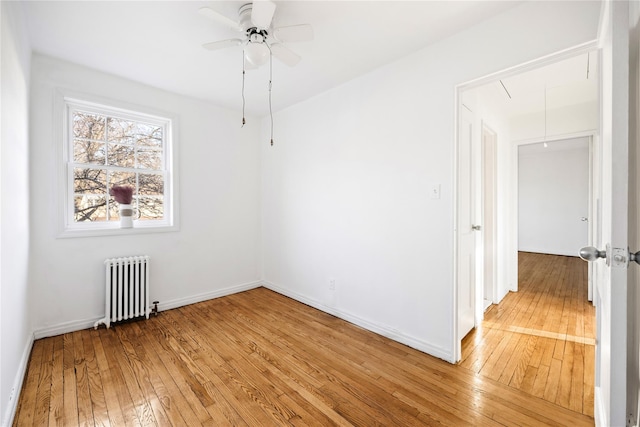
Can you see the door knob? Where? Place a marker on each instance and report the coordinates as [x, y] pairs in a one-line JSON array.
[[476, 227], [589, 253]]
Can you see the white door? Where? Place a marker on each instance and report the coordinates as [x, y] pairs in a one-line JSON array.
[[610, 284], [466, 272]]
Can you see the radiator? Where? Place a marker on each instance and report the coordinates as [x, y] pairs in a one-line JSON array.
[[127, 289]]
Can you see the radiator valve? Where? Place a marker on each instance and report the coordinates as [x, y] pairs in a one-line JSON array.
[[154, 310]]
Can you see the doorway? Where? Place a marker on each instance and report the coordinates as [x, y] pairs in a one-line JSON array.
[[559, 100]]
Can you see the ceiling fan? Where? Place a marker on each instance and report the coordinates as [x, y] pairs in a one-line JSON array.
[[260, 38]]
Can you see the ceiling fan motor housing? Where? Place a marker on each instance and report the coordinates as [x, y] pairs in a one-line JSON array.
[[245, 18]]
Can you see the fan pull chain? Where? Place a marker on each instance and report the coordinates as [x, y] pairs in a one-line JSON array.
[[270, 79], [243, 100]]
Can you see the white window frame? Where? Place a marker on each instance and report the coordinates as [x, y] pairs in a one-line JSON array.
[[66, 103]]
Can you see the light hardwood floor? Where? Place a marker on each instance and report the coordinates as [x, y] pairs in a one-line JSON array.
[[540, 339], [260, 359]]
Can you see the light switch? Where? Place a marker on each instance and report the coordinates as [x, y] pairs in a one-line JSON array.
[[435, 191]]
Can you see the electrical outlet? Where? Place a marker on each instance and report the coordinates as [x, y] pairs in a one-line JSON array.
[[332, 284], [12, 394]]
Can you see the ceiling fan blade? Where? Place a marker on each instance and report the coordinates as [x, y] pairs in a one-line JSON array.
[[294, 33], [222, 44], [285, 55], [262, 12], [219, 18]]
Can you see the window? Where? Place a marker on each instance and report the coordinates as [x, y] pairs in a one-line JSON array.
[[105, 147]]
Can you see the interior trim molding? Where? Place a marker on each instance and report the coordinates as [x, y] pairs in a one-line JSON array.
[[599, 413], [383, 330], [14, 397], [77, 325]]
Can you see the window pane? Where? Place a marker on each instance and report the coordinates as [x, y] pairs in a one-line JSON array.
[[87, 125], [90, 207], [149, 135], [121, 131], [130, 132], [122, 178], [151, 208], [149, 159], [89, 181], [121, 155], [150, 184], [85, 151]]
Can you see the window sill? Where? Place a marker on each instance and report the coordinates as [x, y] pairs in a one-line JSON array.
[[115, 230]]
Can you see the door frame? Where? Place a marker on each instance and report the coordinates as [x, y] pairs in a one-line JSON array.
[[509, 266]]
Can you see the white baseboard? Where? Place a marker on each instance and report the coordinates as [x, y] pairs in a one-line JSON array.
[[599, 414], [63, 328], [77, 325], [385, 331], [168, 305], [17, 383]]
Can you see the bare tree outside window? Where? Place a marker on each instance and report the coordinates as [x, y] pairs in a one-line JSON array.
[[110, 151]]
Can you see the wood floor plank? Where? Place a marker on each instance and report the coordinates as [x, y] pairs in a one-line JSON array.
[[566, 372], [98, 403], [553, 381], [528, 380], [114, 356], [191, 391], [27, 400], [153, 412], [540, 383], [110, 393], [259, 358], [70, 399], [577, 379], [56, 403], [43, 395], [85, 407], [165, 364]]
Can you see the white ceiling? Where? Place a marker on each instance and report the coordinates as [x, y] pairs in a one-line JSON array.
[[159, 42]]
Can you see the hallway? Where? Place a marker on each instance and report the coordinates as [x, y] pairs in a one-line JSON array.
[[540, 339]]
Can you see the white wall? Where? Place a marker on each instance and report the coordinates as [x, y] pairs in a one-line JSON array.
[[553, 195], [346, 186], [15, 308], [216, 250]]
